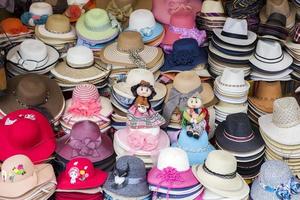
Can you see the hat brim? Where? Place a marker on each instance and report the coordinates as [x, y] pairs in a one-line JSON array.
[[232, 48], [41, 29], [263, 105], [233, 58], [238, 42], [231, 109]]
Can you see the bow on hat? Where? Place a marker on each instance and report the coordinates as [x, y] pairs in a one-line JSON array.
[[120, 177], [85, 147], [140, 141], [194, 33], [122, 14], [32, 20], [174, 6]]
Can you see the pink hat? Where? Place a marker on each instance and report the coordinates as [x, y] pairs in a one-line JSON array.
[[163, 9], [81, 174], [86, 141], [182, 25]]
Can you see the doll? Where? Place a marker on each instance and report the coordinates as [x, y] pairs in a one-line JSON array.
[[195, 117]]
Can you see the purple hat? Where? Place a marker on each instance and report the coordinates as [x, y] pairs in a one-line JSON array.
[[87, 141]]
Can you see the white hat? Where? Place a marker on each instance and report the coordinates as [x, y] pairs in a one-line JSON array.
[[166, 159], [219, 175], [283, 126], [77, 2], [235, 31], [230, 108], [270, 57], [41, 8]]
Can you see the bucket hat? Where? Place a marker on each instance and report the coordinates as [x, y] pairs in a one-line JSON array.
[[218, 174], [81, 174], [275, 181], [13, 26], [143, 21], [32, 55], [283, 124], [128, 179], [269, 57], [38, 139], [97, 25], [18, 171], [186, 55], [236, 134], [37, 14]]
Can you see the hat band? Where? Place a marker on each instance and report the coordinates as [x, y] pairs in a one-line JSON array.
[[58, 32], [267, 60], [23, 104], [234, 35], [229, 85], [224, 176], [199, 36], [29, 64], [211, 14], [277, 17], [239, 139]]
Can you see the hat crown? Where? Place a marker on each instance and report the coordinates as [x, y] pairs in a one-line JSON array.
[[85, 93], [238, 125], [232, 77], [130, 41], [268, 90], [33, 50], [221, 162], [85, 129], [134, 165], [280, 6], [58, 24], [80, 56], [81, 168], [166, 159], [186, 81], [135, 76], [183, 19], [140, 19], [16, 168], [186, 44], [77, 2], [286, 112], [268, 49], [96, 18], [209, 6], [41, 8], [236, 26]]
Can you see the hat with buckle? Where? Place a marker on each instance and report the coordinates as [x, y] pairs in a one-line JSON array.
[[97, 25], [37, 141], [33, 90], [13, 26], [33, 55], [143, 21], [283, 124], [81, 174], [219, 174], [19, 172], [37, 14], [235, 32]]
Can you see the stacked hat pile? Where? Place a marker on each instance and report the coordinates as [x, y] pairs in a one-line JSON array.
[[37, 15], [31, 56], [237, 136], [233, 44], [122, 96], [173, 178], [96, 29], [80, 180], [79, 66], [57, 32], [293, 50], [261, 102], [220, 178], [212, 16], [231, 88], [270, 62], [279, 131]]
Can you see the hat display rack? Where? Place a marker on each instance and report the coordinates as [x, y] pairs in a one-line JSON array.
[[150, 100]]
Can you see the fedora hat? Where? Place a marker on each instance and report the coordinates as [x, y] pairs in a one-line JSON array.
[[32, 55], [283, 124], [97, 25], [219, 175], [283, 7], [57, 26], [13, 26], [265, 94], [163, 9], [235, 32], [37, 14], [209, 7], [236, 134], [275, 181], [32, 90], [80, 66], [37, 141], [18, 171], [143, 21], [269, 57]]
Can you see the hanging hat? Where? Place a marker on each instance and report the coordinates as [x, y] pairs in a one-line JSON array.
[[81, 174], [283, 125], [128, 179], [19, 176], [92, 144], [13, 26], [275, 181], [37, 141], [38, 14]]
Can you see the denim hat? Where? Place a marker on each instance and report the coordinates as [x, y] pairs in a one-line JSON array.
[[185, 56]]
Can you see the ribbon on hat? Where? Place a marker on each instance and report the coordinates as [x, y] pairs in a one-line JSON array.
[[140, 141], [137, 59], [284, 191], [194, 33], [174, 6], [121, 14], [32, 20], [85, 147]]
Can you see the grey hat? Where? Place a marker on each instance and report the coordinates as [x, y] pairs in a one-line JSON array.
[[276, 181], [128, 179]]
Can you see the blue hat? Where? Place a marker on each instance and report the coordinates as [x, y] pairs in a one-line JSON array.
[[185, 56]]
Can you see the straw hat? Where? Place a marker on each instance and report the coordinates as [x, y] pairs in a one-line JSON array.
[[124, 5]]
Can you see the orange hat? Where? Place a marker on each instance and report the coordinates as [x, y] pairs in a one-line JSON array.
[[13, 26], [73, 12]]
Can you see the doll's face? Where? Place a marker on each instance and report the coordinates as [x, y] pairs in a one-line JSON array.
[[143, 91], [194, 102]]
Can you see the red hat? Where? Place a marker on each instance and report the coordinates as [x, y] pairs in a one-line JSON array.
[[81, 174], [26, 132]]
